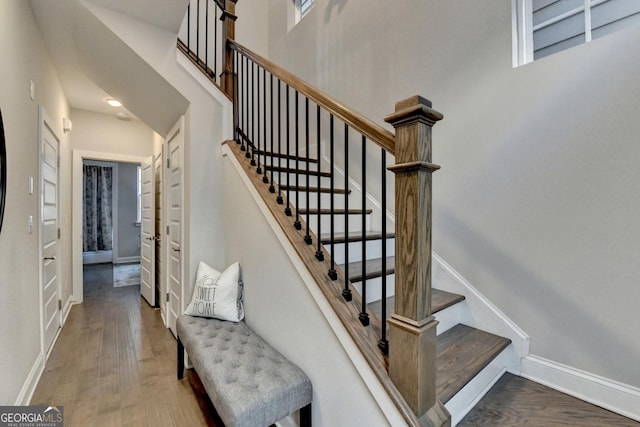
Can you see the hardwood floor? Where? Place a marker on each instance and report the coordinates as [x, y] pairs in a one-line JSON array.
[[114, 364], [515, 401]]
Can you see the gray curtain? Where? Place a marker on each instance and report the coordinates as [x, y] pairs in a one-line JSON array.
[[97, 226]]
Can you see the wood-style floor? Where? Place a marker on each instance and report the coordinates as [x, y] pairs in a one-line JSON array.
[[514, 401], [114, 364]]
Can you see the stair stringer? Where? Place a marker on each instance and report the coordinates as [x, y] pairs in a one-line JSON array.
[[284, 304], [477, 311]]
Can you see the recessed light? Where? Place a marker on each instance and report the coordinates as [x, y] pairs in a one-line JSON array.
[[114, 102]]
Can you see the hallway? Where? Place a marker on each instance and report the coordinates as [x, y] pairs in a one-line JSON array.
[[114, 364]]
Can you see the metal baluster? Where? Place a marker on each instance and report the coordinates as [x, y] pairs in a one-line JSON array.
[[346, 292], [319, 253], [333, 274], [258, 141], [297, 223], [206, 37], [251, 144], [264, 125], [307, 237], [272, 189], [279, 198], [287, 210], [215, 45], [245, 103], [198, 32], [384, 343], [189, 28], [364, 316], [236, 98]]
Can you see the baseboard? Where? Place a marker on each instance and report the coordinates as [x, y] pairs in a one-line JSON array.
[[29, 387], [612, 395], [97, 257], [67, 309], [127, 259], [481, 312]]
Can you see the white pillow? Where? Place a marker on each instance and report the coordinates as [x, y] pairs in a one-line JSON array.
[[217, 295]]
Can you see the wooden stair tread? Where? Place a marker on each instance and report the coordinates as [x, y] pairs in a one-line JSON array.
[[439, 301], [314, 189], [286, 156], [297, 171], [515, 401], [462, 352], [335, 211], [373, 268], [325, 238]]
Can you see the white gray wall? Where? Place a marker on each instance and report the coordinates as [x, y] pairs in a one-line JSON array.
[[206, 125], [282, 310], [24, 59], [537, 199]]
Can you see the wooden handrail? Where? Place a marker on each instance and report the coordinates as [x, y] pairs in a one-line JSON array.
[[371, 130]]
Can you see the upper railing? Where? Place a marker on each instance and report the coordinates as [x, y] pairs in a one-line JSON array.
[[322, 169]]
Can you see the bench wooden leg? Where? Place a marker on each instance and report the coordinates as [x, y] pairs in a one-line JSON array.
[[180, 359], [305, 416]]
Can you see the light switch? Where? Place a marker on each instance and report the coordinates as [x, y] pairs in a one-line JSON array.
[[32, 90], [30, 185]]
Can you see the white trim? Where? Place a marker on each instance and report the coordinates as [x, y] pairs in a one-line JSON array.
[[211, 89], [31, 382], [76, 210], [375, 387], [127, 260], [482, 312], [97, 257], [612, 395]]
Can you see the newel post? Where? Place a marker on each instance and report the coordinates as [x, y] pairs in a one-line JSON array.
[[228, 33], [412, 328]]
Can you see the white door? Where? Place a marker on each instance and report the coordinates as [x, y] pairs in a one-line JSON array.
[[147, 232], [49, 267], [160, 289], [175, 282]]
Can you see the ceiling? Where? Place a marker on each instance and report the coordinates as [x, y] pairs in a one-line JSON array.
[[67, 29]]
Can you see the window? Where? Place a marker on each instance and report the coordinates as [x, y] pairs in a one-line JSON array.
[[303, 7], [544, 27]]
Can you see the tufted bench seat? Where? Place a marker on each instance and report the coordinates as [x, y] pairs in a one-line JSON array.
[[249, 383]]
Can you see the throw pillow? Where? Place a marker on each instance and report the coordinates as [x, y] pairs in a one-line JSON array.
[[217, 295]]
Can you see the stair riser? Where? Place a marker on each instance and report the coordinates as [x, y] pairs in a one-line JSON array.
[[374, 288], [325, 200], [302, 180], [463, 401], [374, 250], [325, 222]]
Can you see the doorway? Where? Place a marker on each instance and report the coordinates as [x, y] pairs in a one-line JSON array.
[[79, 158]]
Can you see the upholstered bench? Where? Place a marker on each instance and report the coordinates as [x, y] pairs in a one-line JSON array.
[[249, 382]]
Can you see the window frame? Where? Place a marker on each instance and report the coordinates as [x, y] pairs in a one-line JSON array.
[[523, 28]]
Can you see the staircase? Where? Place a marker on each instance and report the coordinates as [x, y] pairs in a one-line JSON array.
[[463, 351], [296, 144]]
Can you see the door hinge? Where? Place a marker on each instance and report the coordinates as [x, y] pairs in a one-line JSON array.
[[167, 296], [167, 230], [59, 304], [58, 233], [168, 162]]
